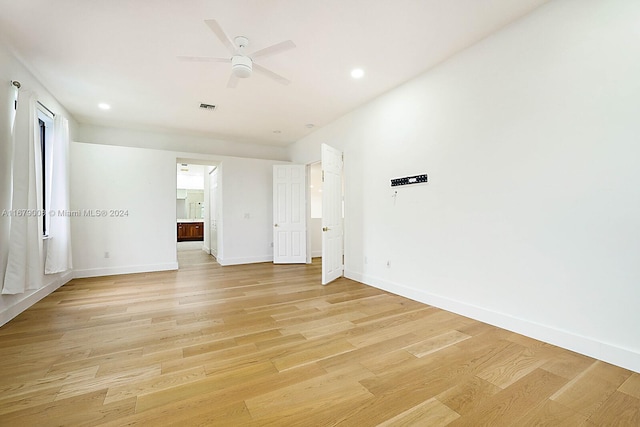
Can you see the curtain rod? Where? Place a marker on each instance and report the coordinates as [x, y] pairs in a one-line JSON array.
[[49, 111], [18, 85]]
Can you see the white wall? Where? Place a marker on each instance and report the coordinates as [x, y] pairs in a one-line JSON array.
[[531, 217], [182, 142], [12, 69], [247, 211], [143, 182], [315, 236]]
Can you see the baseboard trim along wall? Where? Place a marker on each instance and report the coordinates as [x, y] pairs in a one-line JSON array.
[[606, 352], [15, 309], [129, 269]]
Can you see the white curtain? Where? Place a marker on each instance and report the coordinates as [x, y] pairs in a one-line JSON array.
[[24, 263], [59, 242]]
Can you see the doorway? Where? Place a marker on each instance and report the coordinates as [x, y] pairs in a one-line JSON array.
[[325, 213], [314, 246], [193, 206], [213, 211]]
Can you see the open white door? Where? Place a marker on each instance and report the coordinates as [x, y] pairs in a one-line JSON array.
[[332, 264], [289, 214]]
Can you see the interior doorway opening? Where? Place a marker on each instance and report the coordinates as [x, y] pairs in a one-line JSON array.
[[325, 213], [193, 210], [314, 246]]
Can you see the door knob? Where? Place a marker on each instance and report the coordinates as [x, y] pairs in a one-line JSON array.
[[275, 225], [325, 228]]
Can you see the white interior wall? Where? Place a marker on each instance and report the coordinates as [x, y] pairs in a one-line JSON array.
[[143, 182], [139, 181], [315, 234], [246, 211], [531, 217], [158, 139], [12, 69]]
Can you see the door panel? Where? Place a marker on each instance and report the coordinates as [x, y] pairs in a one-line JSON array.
[[332, 229], [289, 214]]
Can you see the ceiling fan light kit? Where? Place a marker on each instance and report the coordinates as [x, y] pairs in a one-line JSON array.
[[241, 66]]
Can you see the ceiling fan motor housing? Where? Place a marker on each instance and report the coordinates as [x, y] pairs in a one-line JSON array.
[[241, 66]]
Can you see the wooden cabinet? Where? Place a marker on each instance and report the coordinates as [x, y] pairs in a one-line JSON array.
[[190, 231]]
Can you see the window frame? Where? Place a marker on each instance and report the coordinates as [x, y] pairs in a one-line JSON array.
[[45, 140]]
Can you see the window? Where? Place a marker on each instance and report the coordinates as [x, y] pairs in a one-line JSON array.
[[45, 124]]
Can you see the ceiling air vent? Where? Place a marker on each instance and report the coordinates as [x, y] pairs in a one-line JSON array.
[[208, 106]]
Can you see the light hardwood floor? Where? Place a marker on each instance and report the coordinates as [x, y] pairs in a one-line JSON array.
[[268, 345]]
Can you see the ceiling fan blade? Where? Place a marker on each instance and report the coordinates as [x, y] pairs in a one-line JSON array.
[[218, 31], [271, 74], [202, 59], [233, 82], [272, 50]]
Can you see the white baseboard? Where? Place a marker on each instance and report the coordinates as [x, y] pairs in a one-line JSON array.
[[588, 346], [244, 260], [111, 271], [21, 305]]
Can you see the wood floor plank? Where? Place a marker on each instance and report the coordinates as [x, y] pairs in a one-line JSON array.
[[590, 390], [267, 345], [550, 413], [631, 386], [215, 381], [467, 396], [154, 384], [508, 406], [312, 353], [511, 368], [428, 413], [624, 408], [310, 395], [436, 343], [567, 364]]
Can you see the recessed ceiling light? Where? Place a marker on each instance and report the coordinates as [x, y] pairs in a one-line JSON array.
[[357, 73], [104, 106]]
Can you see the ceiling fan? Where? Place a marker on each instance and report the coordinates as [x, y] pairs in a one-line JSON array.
[[242, 64]]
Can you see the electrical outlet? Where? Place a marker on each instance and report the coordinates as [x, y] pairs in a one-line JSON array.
[[107, 255]]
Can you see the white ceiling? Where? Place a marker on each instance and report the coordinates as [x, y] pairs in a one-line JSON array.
[[123, 52], [190, 176]]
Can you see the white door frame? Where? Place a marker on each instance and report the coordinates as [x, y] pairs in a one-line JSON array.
[[213, 214], [309, 254], [215, 164]]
